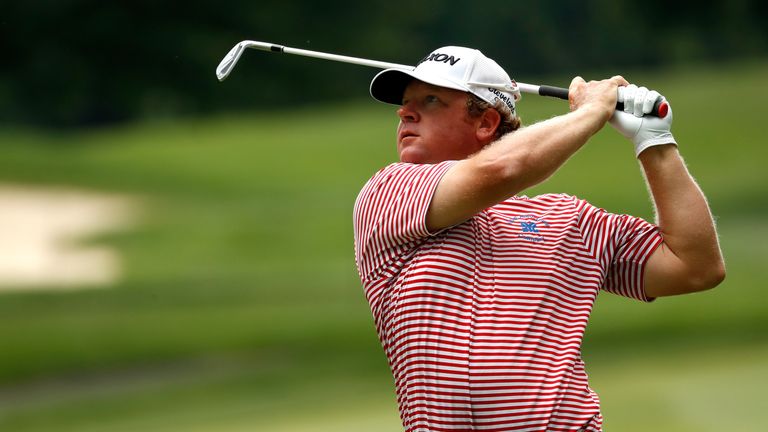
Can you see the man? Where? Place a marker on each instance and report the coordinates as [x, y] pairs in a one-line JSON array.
[[481, 297]]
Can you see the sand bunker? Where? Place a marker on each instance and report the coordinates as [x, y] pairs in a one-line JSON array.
[[44, 232]]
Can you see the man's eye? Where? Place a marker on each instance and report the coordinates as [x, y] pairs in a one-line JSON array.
[[431, 99]]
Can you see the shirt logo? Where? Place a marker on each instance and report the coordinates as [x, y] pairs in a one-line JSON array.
[[529, 227]]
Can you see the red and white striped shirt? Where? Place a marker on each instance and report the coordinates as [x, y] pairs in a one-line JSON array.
[[482, 323]]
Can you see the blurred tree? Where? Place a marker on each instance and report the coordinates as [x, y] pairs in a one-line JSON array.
[[86, 62]]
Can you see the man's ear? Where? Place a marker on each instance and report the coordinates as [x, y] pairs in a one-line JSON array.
[[488, 124]]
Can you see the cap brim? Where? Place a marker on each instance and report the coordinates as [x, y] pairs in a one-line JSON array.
[[389, 85]]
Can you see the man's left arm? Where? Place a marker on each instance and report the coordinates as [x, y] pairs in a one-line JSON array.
[[689, 259]]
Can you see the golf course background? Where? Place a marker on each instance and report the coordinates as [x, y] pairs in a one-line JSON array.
[[240, 308]]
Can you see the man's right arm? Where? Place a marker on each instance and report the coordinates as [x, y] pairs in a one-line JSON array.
[[523, 158]]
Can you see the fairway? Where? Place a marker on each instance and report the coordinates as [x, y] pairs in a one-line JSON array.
[[239, 307]]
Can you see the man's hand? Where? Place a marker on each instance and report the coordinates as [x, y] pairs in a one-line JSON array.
[[634, 123], [598, 95]]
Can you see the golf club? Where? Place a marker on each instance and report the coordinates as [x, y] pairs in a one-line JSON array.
[[660, 108]]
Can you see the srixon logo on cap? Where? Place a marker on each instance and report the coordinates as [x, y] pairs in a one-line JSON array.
[[440, 57]]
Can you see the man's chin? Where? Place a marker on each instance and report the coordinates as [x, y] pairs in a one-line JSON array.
[[411, 155]]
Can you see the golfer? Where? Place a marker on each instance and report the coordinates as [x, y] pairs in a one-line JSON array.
[[481, 297]]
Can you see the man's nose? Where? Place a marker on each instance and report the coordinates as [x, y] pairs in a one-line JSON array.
[[407, 114]]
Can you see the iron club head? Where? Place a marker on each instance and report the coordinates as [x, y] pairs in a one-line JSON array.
[[230, 60]]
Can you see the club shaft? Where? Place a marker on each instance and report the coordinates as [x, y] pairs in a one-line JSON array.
[[659, 109], [265, 46], [338, 58]]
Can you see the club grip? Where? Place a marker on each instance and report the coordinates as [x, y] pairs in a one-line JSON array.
[[660, 108], [558, 92]]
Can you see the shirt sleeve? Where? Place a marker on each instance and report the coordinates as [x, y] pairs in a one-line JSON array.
[[622, 245], [390, 214]]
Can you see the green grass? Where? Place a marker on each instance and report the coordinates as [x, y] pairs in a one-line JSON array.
[[240, 308]]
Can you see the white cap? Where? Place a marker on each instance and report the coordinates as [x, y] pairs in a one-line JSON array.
[[453, 67]]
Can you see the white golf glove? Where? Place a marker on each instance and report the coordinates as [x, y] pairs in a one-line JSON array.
[[644, 131]]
